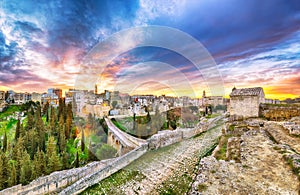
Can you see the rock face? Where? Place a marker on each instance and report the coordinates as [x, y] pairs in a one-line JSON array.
[[293, 126], [263, 169]]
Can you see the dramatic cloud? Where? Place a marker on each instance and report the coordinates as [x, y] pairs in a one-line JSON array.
[[255, 43]]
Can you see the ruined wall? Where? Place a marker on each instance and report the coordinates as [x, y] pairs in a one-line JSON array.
[[246, 106], [279, 112]]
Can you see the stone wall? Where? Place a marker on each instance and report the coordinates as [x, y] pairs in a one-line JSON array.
[[279, 112], [55, 181], [168, 137], [113, 167], [246, 106]]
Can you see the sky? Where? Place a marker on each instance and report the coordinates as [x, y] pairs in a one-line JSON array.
[[249, 43]]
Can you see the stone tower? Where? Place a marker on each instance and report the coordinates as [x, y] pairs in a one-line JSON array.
[[96, 89]]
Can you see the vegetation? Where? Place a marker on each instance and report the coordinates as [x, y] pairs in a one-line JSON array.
[[9, 111], [119, 125], [202, 187], [105, 152], [46, 139], [221, 153], [110, 184]]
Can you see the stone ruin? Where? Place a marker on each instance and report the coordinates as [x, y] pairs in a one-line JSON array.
[[234, 149], [293, 126]]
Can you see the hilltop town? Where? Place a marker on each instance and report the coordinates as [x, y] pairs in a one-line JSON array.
[[118, 103], [235, 145]]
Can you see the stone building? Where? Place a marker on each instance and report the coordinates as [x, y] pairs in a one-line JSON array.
[[2, 95], [245, 102]]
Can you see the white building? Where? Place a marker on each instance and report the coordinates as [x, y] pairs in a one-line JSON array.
[[36, 97]]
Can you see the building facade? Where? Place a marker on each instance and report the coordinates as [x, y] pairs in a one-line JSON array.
[[245, 102]]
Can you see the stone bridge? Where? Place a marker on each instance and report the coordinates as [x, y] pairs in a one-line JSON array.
[[120, 140]]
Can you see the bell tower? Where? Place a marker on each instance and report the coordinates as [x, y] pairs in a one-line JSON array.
[[96, 89]]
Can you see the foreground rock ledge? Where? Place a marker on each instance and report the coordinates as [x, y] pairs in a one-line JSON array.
[[262, 171]]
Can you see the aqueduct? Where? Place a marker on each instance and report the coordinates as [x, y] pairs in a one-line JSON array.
[[120, 140]]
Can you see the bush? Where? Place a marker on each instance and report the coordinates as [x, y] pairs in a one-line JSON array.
[[105, 152]]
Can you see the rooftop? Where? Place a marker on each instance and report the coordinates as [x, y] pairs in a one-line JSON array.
[[246, 92]]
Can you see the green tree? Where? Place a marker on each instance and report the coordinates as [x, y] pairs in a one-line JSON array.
[[38, 165], [45, 108], [25, 174], [17, 134], [106, 151], [22, 131], [91, 155], [4, 143], [114, 104], [61, 108], [40, 129], [30, 121], [12, 180], [62, 139], [68, 121], [17, 153], [42, 161], [53, 160], [3, 170], [76, 162], [65, 160], [82, 140], [53, 121], [31, 142]]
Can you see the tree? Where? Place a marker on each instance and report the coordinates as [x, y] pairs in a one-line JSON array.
[[53, 121], [114, 104], [62, 139], [4, 143], [74, 105], [38, 165], [22, 131], [53, 161], [106, 151], [31, 140], [42, 161], [76, 162], [82, 140], [26, 169], [12, 180], [3, 170], [148, 117], [45, 109], [91, 155], [68, 124], [40, 129], [65, 160], [17, 154], [17, 134], [30, 121]]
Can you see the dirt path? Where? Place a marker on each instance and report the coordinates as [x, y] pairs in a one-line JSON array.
[[166, 170]]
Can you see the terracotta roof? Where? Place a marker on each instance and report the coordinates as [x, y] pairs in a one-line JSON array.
[[246, 92]]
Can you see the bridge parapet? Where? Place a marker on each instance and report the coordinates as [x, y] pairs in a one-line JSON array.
[[120, 140]]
